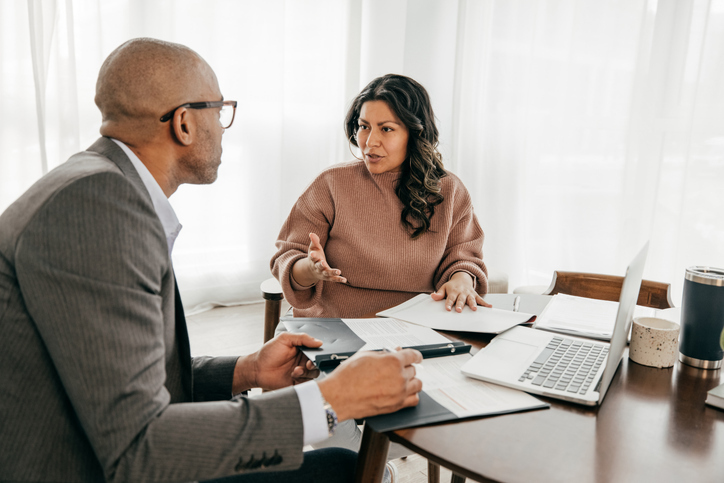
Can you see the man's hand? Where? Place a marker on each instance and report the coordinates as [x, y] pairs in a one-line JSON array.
[[459, 291], [279, 363], [310, 270], [371, 383]]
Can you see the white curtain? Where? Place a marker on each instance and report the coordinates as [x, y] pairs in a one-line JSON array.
[[581, 128]]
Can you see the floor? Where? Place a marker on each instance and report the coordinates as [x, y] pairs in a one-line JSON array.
[[227, 331]]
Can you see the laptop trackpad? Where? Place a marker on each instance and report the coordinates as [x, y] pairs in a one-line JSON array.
[[511, 353]]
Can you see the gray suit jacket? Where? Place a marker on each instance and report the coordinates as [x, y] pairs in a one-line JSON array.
[[96, 381]]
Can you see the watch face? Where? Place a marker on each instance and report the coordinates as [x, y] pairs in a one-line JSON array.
[[331, 419]]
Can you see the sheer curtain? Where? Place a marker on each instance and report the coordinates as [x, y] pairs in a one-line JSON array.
[[581, 128], [584, 128]]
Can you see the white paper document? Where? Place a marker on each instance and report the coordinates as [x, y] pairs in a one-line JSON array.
[[463, 396], [381, 333], [589, 317], [423, 310]]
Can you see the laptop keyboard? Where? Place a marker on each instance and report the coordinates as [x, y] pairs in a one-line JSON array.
[[566, 365]]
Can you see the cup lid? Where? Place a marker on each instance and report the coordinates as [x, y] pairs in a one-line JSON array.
[[706, 275]]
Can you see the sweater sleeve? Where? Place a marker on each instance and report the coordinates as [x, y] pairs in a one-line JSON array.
[[312, 213], [464, 248]]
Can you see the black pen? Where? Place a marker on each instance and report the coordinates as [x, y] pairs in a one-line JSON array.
[[427, 351], [437, 350]]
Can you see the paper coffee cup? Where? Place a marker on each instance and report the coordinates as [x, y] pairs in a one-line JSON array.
[[654, 342]]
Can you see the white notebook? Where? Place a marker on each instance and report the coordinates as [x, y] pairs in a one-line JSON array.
[[423, 310]]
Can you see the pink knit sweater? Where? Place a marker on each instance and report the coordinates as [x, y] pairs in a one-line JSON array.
[[357, 217]]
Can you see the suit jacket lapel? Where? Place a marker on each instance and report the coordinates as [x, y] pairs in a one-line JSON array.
[[106, 147], [182, 339]]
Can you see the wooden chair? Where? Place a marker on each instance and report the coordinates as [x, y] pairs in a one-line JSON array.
[[608, 287], [271, 291]]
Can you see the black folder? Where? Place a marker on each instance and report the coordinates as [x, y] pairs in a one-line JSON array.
[[340, 342]]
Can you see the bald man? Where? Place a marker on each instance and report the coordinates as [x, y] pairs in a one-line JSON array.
[[95, 369]]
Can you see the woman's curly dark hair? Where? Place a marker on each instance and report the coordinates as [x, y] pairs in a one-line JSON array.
[[419, 185]]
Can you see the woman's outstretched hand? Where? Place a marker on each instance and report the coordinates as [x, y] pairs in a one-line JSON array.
[[310, 270], [458, 292]]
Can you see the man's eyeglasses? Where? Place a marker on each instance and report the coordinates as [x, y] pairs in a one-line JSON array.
[[226, 115]]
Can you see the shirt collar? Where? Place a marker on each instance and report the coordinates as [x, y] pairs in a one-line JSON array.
[[164, 210]]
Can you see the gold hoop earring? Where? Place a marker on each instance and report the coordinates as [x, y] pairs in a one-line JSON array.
[[349, 145]]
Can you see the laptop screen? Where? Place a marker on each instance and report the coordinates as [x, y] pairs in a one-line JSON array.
[[624, 317]]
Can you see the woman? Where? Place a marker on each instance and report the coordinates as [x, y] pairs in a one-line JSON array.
[[393, 225]]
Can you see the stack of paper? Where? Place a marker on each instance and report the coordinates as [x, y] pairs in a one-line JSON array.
[[448, 395], [590, 318]]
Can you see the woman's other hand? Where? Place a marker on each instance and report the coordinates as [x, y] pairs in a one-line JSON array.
[[310, 270], [458, 292]]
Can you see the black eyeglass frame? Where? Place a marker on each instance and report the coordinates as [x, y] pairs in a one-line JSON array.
[[202, 105]]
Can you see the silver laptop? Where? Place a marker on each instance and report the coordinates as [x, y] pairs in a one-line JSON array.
[[560, 366]]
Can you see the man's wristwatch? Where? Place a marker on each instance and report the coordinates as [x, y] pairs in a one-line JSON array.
[[331, 417]]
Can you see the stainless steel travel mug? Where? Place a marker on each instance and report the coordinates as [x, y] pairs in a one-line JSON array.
[[702, 318]]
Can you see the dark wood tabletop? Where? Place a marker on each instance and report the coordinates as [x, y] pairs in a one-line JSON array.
[[653, 425]]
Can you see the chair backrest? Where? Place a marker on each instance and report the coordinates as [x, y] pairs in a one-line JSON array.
[[608, 287]]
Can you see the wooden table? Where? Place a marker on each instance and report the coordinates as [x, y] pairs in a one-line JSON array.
[[653, 425]]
